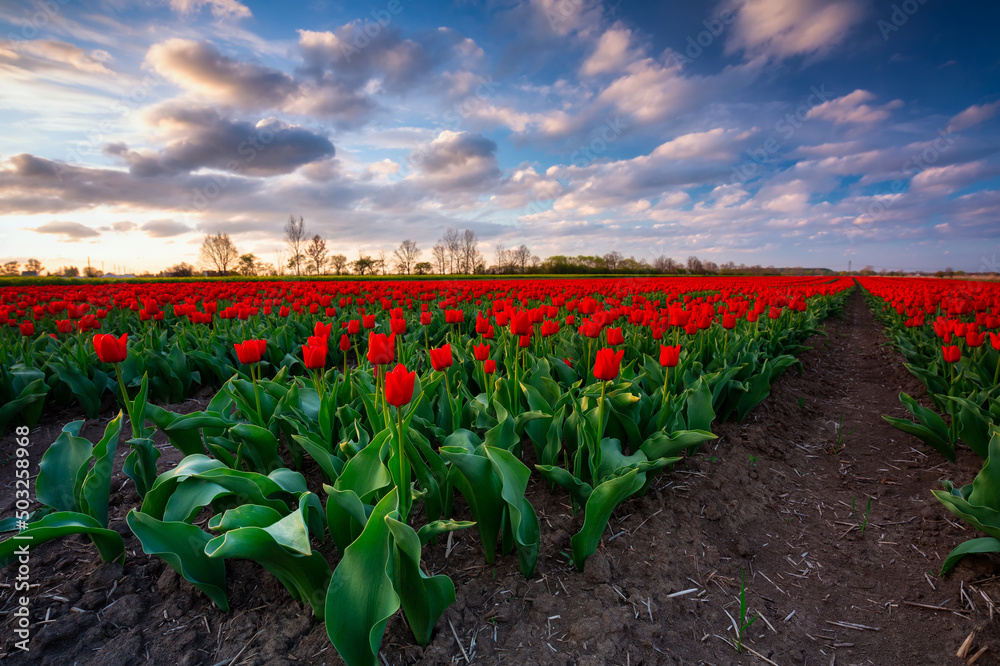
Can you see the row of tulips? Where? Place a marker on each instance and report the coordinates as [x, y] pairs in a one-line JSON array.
[[184, 333], [949, 334], [400, 424]]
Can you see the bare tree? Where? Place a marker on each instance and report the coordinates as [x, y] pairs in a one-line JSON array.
[[440, 254], [452, 240], [295, 239], [339, 263], [469, 256], [694, 265], [664, 264], [613, 259], [280, 263], [521, 257], [406, 256], [182, 269], [381, 262], [504, 262], [34, 265], [316, 252], [218, 251]]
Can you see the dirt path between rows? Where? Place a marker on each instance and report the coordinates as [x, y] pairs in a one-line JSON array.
[[767, 498]]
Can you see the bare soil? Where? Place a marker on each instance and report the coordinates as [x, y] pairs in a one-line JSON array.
[[769, 501]]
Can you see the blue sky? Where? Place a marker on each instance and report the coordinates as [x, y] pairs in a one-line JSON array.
[[785, 132]]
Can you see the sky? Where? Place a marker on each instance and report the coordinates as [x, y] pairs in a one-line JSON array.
[[773, 132]]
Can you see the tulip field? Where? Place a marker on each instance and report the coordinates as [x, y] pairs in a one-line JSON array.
[[347, 434]]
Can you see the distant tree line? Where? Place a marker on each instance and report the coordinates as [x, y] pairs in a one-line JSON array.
[[455, 253]]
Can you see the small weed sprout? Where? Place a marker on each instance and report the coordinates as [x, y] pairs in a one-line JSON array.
[[744, 624], [841, 442], [862, 521]]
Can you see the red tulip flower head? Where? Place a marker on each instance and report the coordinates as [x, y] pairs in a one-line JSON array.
[[399, 386], [729, 321], [489, 367], [314, 357], [381, 348], [974, 339], [670, 355], [608, 363], [322, 330], [425, 318], [353, 327], [615, 336], [250, 351], [995, 341], [441, 358], [951, 354], [27, 328], [345, 342], [111, 349], [482, 352]]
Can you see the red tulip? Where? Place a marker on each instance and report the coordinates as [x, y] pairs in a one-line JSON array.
[[520, 323], [670, 355], [425, 318], [314, 357], [482, 352], [454, 316], [951, 354], [353, 327], [111, 349], [615, 336], [250, 351], [381, 348], [322, 330], [489, 367], [441, 358], [317, 341], [397, 326], [345, 342], [974, 339], [728, 321], [608, 363], [995, 341], [368, 321], [399, 386], [27, 329], [64, 326]]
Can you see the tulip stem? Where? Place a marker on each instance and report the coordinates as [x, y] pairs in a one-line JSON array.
[[136, 432], [256, 394], [666, 377], [404, 472], [600, 413], [319, 383], [451, 407]]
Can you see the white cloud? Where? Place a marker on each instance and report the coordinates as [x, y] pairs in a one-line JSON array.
[[783, 28], [975, 114], [852, 108], [611, 54]]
